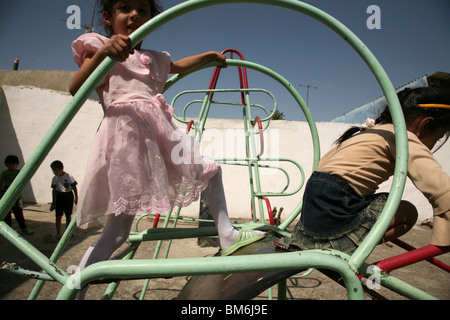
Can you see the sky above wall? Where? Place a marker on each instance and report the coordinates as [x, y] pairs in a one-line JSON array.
[[410, 38]]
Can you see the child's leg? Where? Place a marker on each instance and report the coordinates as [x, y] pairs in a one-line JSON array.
[[404, 220], [215, 197], [68, 207], [68, 219], [115, 233], [18, 214], [58, 226], [8, 219]]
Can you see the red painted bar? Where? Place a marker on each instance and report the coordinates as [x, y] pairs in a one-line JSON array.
[[413, 256]]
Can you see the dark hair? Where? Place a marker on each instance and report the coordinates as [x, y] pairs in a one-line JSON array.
[[11, 159], [56, 165], [107, 5], [409, 100]]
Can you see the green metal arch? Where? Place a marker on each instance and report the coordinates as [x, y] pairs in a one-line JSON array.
[[294, 93]]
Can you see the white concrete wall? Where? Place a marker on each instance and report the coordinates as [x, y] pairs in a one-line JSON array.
[[26, 114]]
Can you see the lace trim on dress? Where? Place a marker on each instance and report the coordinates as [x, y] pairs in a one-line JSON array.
[[185, 193], [133, 207]]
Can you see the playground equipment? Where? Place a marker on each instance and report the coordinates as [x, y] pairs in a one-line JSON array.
[[350, 267]]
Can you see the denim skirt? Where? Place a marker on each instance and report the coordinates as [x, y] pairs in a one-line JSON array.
[[333, 216]]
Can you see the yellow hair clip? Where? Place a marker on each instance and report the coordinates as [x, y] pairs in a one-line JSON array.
[[435, 105]]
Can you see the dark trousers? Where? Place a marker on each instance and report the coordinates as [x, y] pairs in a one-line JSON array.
[[18, 214]]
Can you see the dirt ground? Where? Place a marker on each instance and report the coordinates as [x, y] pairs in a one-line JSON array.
[[315, 286]]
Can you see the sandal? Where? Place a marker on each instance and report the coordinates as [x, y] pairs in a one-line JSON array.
[[243, 239]]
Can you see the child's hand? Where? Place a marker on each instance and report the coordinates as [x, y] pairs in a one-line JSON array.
[[120, 47], [189, 63], [221, 58]]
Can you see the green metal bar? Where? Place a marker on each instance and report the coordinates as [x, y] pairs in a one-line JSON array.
[[208, 91], [404, 288], [14, 268], [378, 276], [55, 256], [236, 161], [138, 269], [282, 288], [112, 287], [35, 255]]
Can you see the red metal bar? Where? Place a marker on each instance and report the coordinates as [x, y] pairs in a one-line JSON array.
[[189, 126], [155, 223], [261, 136], [269, 210], [409, 247], [413, 256], [242, 75], [243, 80]]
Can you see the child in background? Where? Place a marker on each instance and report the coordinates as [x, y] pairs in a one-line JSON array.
[[140, 160], [64, 195], [6, 178], [340, 205]]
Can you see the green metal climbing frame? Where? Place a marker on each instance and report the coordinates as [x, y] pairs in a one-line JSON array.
[[348, 266]]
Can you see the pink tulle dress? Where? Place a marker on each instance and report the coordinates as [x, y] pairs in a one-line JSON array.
[[140, 160]]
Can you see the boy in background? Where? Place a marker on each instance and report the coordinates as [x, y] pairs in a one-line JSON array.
[[6, 178], [64, 195]]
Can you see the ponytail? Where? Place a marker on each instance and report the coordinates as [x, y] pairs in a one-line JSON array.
[[356, 129]]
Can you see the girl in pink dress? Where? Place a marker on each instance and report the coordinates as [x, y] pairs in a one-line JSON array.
[[140, 160]]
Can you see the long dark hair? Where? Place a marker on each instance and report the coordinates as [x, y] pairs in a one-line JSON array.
[[107, 5], [410, 99]]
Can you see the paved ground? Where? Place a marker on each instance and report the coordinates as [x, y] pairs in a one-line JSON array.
[[315, 286]]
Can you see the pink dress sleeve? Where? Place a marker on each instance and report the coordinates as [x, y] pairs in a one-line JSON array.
[[86, 44], [160, 65]]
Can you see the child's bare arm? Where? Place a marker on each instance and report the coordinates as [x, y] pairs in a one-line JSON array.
[[189, 63], [75, 191]]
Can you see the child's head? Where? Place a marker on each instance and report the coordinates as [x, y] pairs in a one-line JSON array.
[[428, 103], [57, 167], [427, 107], [11, 162], [109, 8]]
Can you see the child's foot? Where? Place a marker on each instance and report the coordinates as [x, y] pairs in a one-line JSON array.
[[242, 239], [27, 232]]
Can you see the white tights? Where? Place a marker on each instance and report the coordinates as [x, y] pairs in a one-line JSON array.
[[117, 228], [115, 233]]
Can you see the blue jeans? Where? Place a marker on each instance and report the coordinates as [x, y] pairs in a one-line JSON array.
[[334, 216]]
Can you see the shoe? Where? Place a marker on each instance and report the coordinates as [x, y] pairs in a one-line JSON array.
[[242, 240], [27, 232]]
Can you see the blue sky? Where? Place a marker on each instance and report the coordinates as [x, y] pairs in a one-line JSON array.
[[413, 41]]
